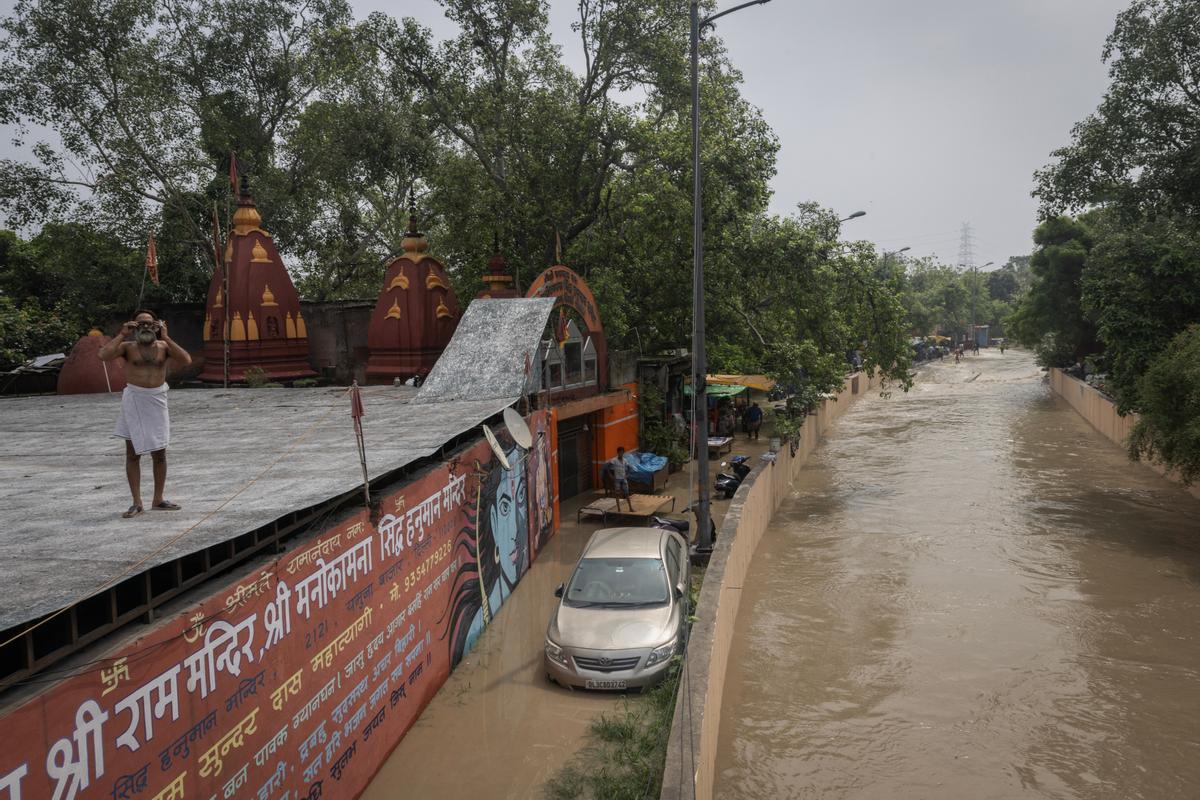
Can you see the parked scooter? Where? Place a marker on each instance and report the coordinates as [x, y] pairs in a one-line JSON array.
[[728, 482], [681, 526]]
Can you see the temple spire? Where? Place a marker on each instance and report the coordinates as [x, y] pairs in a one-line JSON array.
[[414, 243], [497, 281]]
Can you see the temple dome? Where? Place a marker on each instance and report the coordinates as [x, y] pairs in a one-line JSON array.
[[261, 311], [84, 372], [415, 315]]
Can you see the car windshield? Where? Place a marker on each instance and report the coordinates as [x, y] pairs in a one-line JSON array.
[[618, 582]]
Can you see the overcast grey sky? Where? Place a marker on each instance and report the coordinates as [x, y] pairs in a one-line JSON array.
[[923, 113]]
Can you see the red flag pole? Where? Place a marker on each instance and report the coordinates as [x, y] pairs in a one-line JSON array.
[[145, 271], [356, 412], [222, 275]]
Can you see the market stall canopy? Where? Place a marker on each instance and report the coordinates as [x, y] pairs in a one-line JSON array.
[[759, 383], [718, 389]]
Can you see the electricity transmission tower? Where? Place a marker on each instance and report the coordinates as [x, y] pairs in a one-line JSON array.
[[966, 261], [966, 247]]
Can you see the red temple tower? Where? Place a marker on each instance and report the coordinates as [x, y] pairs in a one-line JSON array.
[[415, 316], [262, 311]]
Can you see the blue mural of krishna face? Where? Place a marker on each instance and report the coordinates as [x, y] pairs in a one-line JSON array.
[[506, 519], [498, 534]]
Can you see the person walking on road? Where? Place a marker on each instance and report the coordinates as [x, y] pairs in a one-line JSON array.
[[754, 418]]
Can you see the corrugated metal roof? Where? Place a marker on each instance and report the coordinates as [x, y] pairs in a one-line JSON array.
[[487, 357]]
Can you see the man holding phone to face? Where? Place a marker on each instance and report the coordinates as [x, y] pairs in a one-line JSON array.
[[145, 423]]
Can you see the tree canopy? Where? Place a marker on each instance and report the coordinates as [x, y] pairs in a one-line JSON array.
[[337, 119], [1122, 278]]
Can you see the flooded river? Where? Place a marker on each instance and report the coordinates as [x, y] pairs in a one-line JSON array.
[[971, 594]]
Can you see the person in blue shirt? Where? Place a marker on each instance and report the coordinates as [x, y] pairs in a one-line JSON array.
[[754, 417]]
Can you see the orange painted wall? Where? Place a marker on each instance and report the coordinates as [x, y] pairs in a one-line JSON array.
[[615, 426]]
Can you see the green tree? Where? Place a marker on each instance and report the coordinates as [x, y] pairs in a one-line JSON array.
[[1003, 284], [147, 99], [27, 330], [1141, 286], [1140, 148], [1053, 305], [70, 278], [937, 298], [1168, 431]]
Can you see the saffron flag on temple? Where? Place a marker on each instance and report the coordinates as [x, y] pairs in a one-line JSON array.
[[152, 260], [233, 172]]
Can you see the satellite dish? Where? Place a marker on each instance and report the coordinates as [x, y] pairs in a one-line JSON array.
[[517, 427], [496, 448]]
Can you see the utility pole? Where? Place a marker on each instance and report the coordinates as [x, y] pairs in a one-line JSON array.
[[699, 356]]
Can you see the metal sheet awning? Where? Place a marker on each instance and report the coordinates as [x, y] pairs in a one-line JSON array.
[[718, 389], [759, 383]]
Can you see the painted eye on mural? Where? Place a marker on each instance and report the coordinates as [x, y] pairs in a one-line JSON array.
[[496, 554], [505, 505]]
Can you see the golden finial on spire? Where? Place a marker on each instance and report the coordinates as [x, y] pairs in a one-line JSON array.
[[414, 242]]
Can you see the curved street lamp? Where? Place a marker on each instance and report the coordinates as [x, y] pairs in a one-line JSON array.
[[889, 253], [855, 215], [975, 294], [699, 355]]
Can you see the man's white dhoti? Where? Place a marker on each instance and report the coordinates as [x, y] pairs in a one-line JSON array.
[[144, 419]]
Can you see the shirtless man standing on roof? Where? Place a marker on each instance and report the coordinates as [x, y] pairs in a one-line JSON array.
[[145, 424]]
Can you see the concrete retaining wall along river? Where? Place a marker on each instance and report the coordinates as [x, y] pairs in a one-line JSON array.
[[691, 752], [1101, 413]]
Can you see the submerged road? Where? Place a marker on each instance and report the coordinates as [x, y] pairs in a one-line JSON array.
[[498, 729], [971, 594]]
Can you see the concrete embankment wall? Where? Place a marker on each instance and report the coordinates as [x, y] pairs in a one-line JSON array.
[[1101, 413], [692, 750]]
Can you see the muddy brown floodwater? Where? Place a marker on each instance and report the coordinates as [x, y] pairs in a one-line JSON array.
[[971, 594]]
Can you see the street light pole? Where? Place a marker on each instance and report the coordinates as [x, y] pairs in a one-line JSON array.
[[887, 253], [699, 355]]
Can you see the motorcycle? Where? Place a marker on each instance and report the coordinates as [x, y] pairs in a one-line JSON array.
[[728, 482]]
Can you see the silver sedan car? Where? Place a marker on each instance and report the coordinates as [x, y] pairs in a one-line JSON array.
[[623, 614]]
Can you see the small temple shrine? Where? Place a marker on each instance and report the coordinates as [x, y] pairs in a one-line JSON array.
[[261, 312], [85, 373], [416, 314]]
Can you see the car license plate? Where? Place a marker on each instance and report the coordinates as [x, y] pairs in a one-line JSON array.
[[605, 684]]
